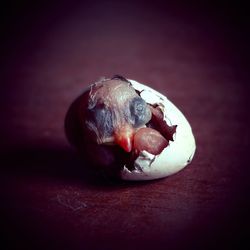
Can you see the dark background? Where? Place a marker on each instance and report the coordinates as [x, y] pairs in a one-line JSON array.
[[195, 53]]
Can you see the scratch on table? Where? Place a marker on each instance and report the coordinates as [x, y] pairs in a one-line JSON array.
[[71, 203]]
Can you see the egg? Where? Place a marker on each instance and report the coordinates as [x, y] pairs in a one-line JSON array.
[[134, 165]]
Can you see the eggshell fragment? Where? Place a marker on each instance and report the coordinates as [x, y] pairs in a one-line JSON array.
[[176, 155]]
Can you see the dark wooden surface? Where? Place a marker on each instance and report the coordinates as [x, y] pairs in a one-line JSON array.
[[194, 54]]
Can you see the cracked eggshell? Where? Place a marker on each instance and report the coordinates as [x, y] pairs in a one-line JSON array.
[[176, 155]]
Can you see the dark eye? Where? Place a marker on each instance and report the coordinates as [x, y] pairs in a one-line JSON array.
[[140, 113], [101, 118]]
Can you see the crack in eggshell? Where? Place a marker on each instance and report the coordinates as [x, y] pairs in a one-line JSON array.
[[143, 157], [176, 155]]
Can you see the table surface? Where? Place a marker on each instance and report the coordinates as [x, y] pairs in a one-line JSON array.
[[193, 55]]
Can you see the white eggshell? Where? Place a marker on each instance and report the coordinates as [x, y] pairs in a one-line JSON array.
[[176, 155]]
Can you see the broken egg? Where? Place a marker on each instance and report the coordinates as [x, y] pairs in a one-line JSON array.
[[129, 130]]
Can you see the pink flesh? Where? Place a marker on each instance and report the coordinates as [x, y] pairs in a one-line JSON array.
[[150, 140], [159, 124]]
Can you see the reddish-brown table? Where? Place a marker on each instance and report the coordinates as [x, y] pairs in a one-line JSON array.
[[193, 54]]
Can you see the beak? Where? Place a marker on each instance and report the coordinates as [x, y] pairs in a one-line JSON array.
[[124, 137]]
